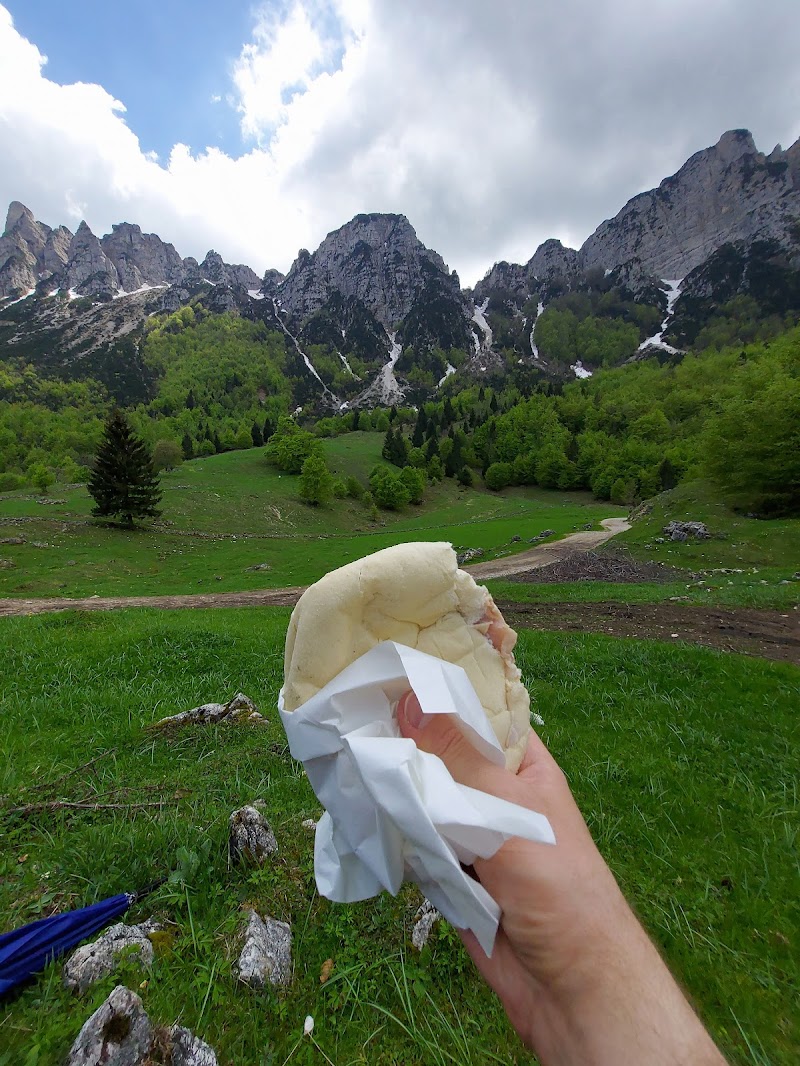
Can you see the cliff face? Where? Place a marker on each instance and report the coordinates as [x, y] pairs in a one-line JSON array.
[[729, 192], [377, 259], [32, 255]]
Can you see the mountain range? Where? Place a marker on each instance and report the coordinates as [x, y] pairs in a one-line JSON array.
[[725, 227]]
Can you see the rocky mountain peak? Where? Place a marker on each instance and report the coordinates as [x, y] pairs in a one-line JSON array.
[[17, 212], [725, 193], [376, 258]]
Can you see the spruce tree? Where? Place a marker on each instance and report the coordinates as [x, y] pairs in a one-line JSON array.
[[123, 481], [257, 435], [418, 436], [187, 447]]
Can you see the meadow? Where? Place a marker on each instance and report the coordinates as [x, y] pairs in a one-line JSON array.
[[685, 762], [225, 515], [230, 512]]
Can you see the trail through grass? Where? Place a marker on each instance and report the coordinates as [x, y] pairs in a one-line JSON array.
[[685, 762]]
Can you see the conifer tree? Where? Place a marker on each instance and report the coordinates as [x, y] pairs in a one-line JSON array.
[[187, 447], [256, 434], [420, 426], [123, 481]]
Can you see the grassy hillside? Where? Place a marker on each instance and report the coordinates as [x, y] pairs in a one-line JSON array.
[[747, 562], [683, 761], [232, 511]]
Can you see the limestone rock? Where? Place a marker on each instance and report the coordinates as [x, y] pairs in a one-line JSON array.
[[267, 952], [376, 258], [141, 258], [117, 1034], [240, 708], [251, 839], [189, 1050], [92, 961], [89, 270], [684, 530], [424, 921], [724, 193]]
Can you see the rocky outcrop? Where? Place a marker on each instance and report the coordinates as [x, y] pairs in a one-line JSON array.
[[29, 251], [215, 270], [35, 257], [141, 258], [730, 192], [89, 270], [377, 259], [725, 193], [550, 262]]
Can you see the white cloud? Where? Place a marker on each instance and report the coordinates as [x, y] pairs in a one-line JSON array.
[[490, 132]]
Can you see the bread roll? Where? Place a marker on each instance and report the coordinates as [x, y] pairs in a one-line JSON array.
[[413, 594]]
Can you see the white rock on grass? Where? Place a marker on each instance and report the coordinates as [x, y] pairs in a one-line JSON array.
[[424, 920], [267, 952], [189, 1050], [117, 1034], [240, 709], [93, 961], [250, 839]]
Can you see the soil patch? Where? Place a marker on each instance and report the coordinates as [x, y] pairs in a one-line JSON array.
[[612, 565], [260, 597], [769, 634]]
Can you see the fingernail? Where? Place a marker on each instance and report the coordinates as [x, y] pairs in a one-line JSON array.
[[410, 708]]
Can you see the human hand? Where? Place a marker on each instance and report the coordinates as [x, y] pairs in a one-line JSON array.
[[577, 976]]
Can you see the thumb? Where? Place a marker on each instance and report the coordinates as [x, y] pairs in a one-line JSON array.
[[439, 735]]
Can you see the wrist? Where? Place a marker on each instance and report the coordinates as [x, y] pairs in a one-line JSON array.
[[619, 1006]]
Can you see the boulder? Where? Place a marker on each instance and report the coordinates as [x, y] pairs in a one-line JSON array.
[[240, 708], [189, 1050], [424, 920], [251, 839], [119, 1033], [267, 952], [92, 961]]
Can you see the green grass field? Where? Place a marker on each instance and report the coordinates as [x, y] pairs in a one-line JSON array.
[[224, 514], [684, 760]]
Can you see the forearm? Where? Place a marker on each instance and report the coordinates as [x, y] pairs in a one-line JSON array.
[[629, 1012]]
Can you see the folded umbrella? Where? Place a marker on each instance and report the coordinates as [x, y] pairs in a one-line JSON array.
[[27, 950]]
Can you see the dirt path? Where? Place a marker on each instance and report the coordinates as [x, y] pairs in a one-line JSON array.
[[258, 598], [545, 554], [769, 634]]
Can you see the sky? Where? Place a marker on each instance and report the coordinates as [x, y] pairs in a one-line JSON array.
[[257, 128]]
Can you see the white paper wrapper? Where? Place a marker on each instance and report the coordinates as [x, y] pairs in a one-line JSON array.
[[393, 812]]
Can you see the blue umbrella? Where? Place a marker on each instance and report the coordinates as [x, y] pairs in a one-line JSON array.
[[27, 950]]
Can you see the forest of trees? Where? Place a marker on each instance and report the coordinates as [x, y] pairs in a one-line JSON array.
[[223, 383]]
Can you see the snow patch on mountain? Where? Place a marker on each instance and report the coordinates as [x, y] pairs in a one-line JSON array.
[[450, 370], [478, 317], [579, 370], [656, 341], [19, 299]]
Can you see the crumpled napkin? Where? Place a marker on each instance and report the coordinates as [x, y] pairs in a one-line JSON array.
[[393, 812]]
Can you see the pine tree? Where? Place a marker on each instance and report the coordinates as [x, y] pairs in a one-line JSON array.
[[257, 436], [187, 447], [420, 426], [123, 481]]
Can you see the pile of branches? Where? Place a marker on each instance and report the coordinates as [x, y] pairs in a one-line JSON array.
[[617, 566]]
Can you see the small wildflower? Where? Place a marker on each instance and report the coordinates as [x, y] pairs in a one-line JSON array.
[[308, 1026]]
